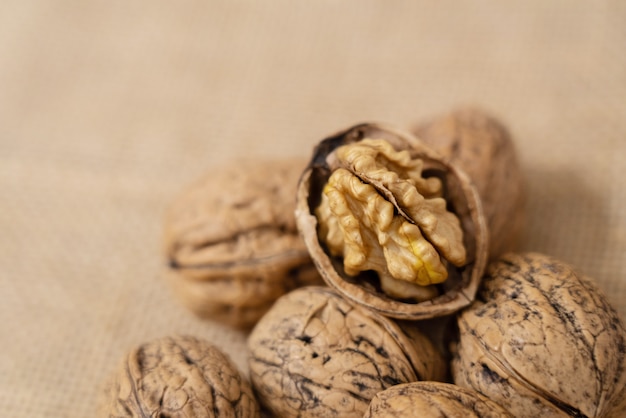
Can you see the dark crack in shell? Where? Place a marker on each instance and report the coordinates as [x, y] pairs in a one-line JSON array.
[[231, 241], [314, 355], [542, 340], [178, 377], [433, 400]]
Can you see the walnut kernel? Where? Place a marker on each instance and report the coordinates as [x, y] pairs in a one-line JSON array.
[[391, 225], [360, 225]]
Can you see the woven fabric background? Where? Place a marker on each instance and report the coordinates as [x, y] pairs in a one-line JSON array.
[[109, 108]]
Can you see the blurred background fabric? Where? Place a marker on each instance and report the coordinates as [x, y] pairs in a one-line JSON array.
[[109, 108]]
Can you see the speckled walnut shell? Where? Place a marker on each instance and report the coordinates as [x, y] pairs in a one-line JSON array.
[[178, 377], [231, 241], [460, 287], [316, 355], [482, 146], [542, 341], [432, 400]]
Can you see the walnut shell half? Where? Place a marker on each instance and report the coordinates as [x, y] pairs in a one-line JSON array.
[[432, 400], [482, 146], [542, 341], [231, 240], [178, 377], [413, 241], [316, 355]]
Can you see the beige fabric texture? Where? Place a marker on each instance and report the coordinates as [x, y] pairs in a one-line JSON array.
[[109, 108]]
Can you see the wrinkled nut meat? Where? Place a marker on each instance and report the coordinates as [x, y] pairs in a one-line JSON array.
[[313, 354], [432, 400], [178, 377], [360, 225], [542, 341], [390, 225], [481, 146], [232, 243]]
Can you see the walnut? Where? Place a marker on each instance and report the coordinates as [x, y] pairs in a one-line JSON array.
[[313, 354], [232, 243], [541, 340], [359, 224], [181, 377], [432, 400], [391, 225], [481, 146]]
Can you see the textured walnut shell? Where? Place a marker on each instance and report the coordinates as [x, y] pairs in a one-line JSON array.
[[178, 377], [541, 340], [231, 241], [316, 355], [481, 146], [432, 400], [458, 290]]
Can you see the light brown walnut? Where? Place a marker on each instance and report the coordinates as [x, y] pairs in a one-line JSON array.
[[316, 355], [178, 377], [390, 224], [231, 240], [542, 341], [481, 145], [432, 400]]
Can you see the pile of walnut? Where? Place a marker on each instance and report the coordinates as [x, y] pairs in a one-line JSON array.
[[380, 279]]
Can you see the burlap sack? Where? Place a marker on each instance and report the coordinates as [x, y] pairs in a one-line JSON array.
[[108, 109]]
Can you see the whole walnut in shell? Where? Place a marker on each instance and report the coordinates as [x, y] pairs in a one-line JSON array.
[[316, 355], [542, 341], [178, 377], [482, 146], [390, 224], [231, 240], [432, 400]]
